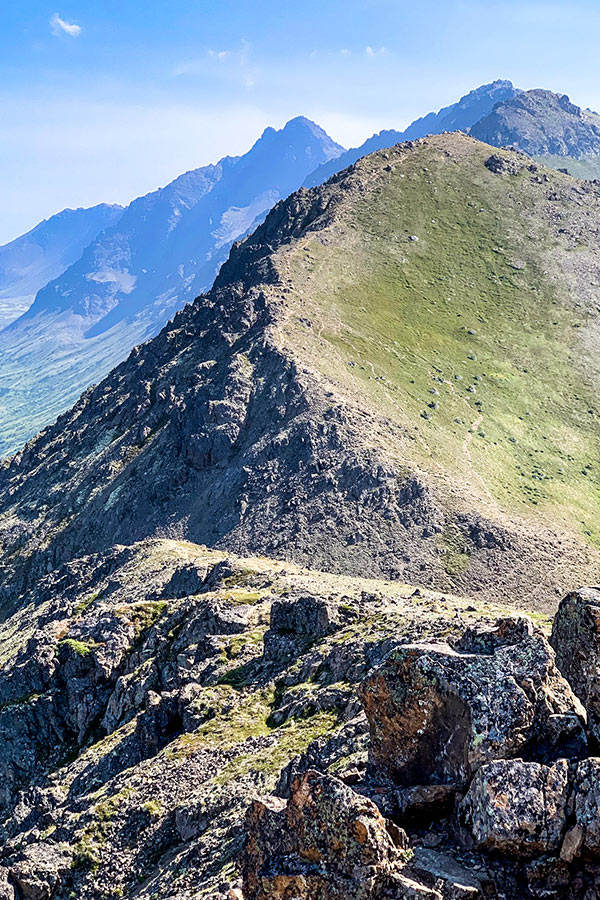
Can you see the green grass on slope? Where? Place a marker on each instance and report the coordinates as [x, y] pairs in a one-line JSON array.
[[459, 335]]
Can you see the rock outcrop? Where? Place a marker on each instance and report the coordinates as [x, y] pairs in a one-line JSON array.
[[518, 808], [325, 843], [437, 713], [484, 743], [576, 641]]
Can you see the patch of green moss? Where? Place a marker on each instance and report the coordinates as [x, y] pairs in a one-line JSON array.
[[143, 615], [153, 809], [79, 648], [292, 739], [85, 603], [235, 718], [239, 597], [456, 558], [238, 643], [22, 701]]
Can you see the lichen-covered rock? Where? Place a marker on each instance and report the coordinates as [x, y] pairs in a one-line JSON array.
[[576, 642], [436, 713], [302, 618], [518, 808], [325, 843], [584, 837]]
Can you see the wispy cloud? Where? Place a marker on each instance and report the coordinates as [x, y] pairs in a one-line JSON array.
[[376, 51], [59, 26], [235, 62]]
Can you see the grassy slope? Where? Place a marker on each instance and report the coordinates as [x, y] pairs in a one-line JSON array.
[[464, 337]]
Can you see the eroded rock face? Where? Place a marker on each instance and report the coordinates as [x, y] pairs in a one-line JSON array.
[[518, 808], [584, 837], [437, 714], [325, 843], [576, 642], [303, 618]]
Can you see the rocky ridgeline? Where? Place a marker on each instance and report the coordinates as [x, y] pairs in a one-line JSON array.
[[406, 743], [481, 779], [149, 692]]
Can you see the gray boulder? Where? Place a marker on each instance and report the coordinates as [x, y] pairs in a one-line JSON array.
[[437, 714], [584, 837], [298, 621], [518, 808], [576, 642]]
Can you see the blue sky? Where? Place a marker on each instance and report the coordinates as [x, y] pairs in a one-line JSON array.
[[103, 100]]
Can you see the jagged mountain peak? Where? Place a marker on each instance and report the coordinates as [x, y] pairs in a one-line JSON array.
[[458, 116], [29, 262], [542, 123], [166, 247]]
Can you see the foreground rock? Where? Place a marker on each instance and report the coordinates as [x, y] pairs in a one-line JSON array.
[[576, 641], [518, 808], [437, 714], [324, 843]]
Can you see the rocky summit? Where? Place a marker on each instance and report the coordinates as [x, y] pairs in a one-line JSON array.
[[280, 596]]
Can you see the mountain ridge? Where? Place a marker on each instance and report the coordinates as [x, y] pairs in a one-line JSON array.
[[289, 411], [34, 259], [165, 248], [542, 123], [457, 116], [362, 392]]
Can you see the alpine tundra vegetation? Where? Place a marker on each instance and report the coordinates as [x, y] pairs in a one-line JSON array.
[[278, 593]]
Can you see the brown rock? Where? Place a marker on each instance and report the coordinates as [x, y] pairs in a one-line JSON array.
[[437, 714], [325, 843]]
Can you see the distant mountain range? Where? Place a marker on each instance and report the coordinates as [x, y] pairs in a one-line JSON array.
[[106, 279], [460, 116], [164, 249], [542, 124], [30, 262]]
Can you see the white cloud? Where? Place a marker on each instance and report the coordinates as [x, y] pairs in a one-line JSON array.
[[346, 52], [376, 51], [59, 26], [233, 64]]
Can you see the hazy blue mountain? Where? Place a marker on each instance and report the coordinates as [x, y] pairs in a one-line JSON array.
[[29, 262], [459, 116], [165, 249], [542, 123]]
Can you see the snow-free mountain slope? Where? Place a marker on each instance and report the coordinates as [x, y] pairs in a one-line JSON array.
[[165, 249], [31, 261], [459, 116], [542, 123], [365, 387]]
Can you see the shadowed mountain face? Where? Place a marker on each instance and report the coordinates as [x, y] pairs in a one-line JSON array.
[[365, 388], [28, 263], [165, 249], [459, 116], [542, 124]]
